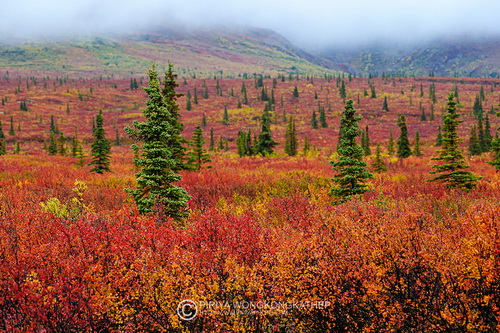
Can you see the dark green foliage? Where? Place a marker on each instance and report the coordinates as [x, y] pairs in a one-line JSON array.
[[306, 145], [198, 155], [365, 142], [295, 92], [385, 105], [52, 149], [211, 146], [391, 144], [379, 164], [53, 126], [118, 141], [477, 108], [225, 116], [100, 148], [351, 168], [474, 143], [373, 93], [203, 120], [3, 149], [265, 142], [451, 171], [314, 120], [11, 129], [404, 149], [342, 90], [291, 138], [417, 147], [322, 117], [156, 157], [61, 143], [495, 147]]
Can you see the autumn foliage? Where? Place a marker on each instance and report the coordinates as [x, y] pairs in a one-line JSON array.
[[408, 256]]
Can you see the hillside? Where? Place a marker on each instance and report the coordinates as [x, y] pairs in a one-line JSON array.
[[194, 51], [466, 56]]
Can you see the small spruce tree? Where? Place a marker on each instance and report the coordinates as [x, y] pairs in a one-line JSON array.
[[198, 155], [351, 168], [378, 163], [404, 149], [391, 144], [100, 148], [451, 170], [291, 138], [417, 147]]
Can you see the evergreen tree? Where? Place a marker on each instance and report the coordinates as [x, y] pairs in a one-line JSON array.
[[53, 126], [155, 191], [175, 141], [17, 148], [241, 142], [265, 142], [373, 92], [52, 149], [379, 164], [477, 108], [198, 155], [203, 121], [101, 147], [488, 138], [366, 146], [474, 143], [211, 146], [385, 106], [342, 90], [61, 142], [417, 147], [11, 130], [404, 149], [314, 120], [117, 138], [291, 138], [322, 117], [451, 171], [391, 144], [3, 149], [495, 147], [225, 116], [350, 166], [295, 92], [306, 145]]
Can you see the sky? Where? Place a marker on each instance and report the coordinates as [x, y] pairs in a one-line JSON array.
[[307, 23]]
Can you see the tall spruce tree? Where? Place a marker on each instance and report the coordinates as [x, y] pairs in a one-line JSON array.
[[291, 138], [101, 147], [352, 171], [156, 159], [175, 141], [52, 149], [404, 149], [451, 170]]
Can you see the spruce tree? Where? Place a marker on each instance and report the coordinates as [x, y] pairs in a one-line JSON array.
[[495, 147], [175, 141], [265, 142], [11, 130], [379, 164], [474, 142], [417, 147], [52, 149], [61, 142], [291, 138], [100, 148], [404, 149], [351, 168], [366, 143], [385, 106], [198, 155], [322, 117], [225, 116], [3, 149], [211, 146], [314, 120], [155, 158], [451, 170]]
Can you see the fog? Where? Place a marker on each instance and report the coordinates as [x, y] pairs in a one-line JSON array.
[[308, 23]]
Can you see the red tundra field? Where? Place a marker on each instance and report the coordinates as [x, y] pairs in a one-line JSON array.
[[264, 248]]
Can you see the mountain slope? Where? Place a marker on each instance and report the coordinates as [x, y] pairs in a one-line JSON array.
[[198, 52], [466, 56]]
